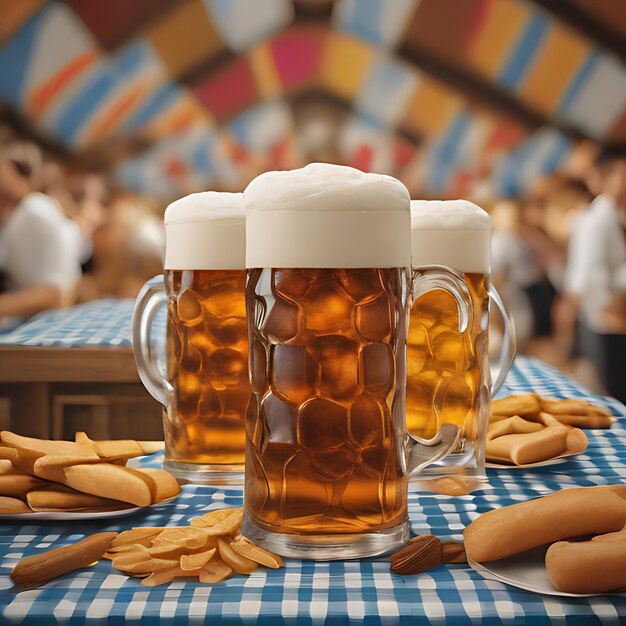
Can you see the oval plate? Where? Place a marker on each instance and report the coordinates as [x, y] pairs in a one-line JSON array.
[[63, 516], [527, 571]]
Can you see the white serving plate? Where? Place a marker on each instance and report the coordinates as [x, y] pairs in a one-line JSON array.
[[555, 461], [62, 516], [527, 571]]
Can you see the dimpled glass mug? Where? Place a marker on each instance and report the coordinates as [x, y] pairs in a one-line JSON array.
[[205, 388], [448, 377], [327, 452]]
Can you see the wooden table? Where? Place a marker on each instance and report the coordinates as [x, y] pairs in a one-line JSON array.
[[54, 384]]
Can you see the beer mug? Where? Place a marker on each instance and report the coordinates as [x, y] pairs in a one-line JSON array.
[[205, 387], [448, 377], [327, 451]]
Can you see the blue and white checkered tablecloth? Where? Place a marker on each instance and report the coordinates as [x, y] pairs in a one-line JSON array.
[[101, 323], [338, 592]]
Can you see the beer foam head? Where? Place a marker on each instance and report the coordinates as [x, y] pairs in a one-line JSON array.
[[327, 216], [454, 233], [206, 231]]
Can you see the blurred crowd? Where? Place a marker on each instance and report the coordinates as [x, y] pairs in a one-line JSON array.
[[559, 262], [68, 235], [559, 255]]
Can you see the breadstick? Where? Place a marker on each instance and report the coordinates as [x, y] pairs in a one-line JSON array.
[[596, 566], [572, 406], [16, 484], [166, 485], [523, 404], [11, 506], [39, 568], [61, 499], [110, 481], [562, 515], [586, 421]]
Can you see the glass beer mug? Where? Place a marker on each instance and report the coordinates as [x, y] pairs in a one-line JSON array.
[[448, 376], [205, 387], [327, 451]]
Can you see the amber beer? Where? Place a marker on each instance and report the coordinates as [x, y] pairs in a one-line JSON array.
[[448, 377], [323, 452], [328, 252], [205, 387], [446, 367], [207, 365]]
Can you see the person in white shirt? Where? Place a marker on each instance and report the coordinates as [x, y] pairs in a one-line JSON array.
[[38, 245], [596, 273]]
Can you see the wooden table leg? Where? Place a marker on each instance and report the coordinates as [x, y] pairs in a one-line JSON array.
[[29, 408]]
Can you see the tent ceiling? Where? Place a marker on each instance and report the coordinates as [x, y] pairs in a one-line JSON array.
[[184, 94]]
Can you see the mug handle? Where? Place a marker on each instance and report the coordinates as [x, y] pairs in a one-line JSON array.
[[509, 345], [424, 452], [151, 297]]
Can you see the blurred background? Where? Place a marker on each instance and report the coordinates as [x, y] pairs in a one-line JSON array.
[[113, 108]]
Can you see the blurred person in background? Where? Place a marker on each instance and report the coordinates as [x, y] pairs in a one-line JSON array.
[[514, 267], [565, 215], [596, 273], [550, 257], [39, 255], [128, 249]]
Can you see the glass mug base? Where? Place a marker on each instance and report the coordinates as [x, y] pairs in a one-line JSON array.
[[205, 474], [327, 546], [456, 475]]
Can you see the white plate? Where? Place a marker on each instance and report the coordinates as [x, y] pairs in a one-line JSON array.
[[554, 461], [61, 516], [527, 571]]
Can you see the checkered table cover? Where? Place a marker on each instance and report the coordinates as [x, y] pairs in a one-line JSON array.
[[101, 323], [337, 592]]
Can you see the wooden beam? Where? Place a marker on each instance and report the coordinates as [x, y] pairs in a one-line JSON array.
[[585, 21], [476, 87], [35, 364]]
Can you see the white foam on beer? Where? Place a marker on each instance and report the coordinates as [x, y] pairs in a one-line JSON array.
[[327, 215], [205, 231], [453, 233]]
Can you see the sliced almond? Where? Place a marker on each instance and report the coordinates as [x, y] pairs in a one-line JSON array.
[[215, 571], [136, 535], [183, 537], [218, 523], [166, 576], [130, 558], [239, 563], [189, 562], [257, 554]]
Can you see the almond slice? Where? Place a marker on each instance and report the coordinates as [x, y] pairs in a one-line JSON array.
[[257, 554], [189, 562], [218, 523], [215, 571], [239, 563], [167, 576], [142, 534]]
